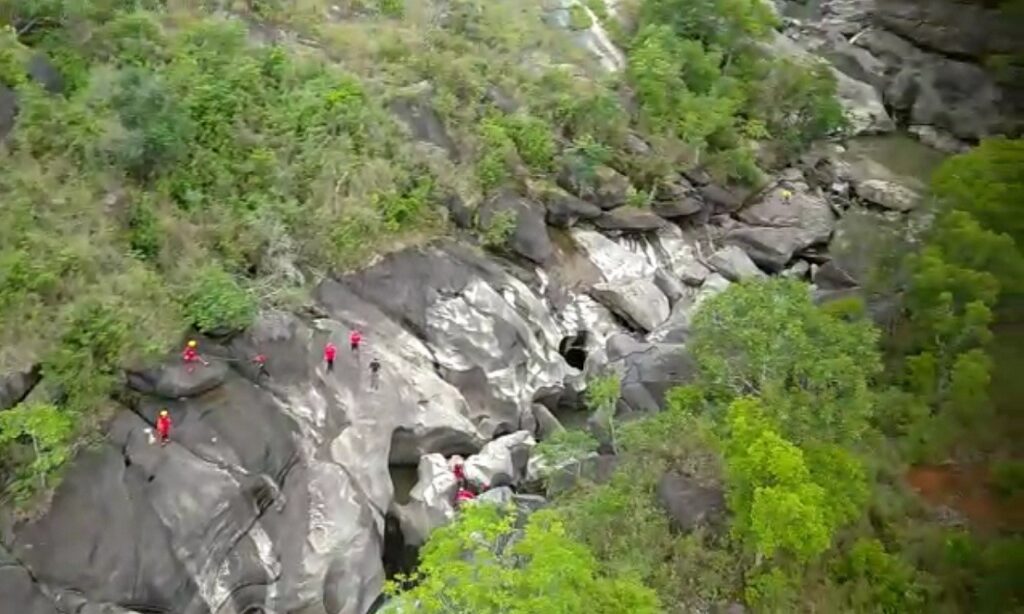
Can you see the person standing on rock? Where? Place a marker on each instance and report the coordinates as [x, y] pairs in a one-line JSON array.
[[260, 362], [374, 373], [329, 354], [355, 339], [190, 355], [163, 427]]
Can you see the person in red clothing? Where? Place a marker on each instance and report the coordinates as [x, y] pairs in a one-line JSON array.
[[463, 495], [260, 362], [163, 427], [329, 353], [190, 355], [355, 339]]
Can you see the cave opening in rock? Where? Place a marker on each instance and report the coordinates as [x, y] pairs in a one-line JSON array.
[[574, 349], [403, 478]]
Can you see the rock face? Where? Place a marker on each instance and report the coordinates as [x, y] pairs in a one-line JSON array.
[[648, 370], [175, 380], [431, 501], [412, 106], [564, 209], [15, 386], [640, 302], [501, 462], [688, 503], [530, 235], [734, 264], [887, 194]]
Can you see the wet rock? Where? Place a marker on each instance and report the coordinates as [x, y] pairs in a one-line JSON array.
[[564, 209], [413, 106], [630, 219], [734, 264], [530, 235], [638, 301], [689, 504], [887, 194], [174, 381], [501, 462]]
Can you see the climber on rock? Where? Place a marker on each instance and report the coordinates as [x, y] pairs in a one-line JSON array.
[[374, 373], [455, 466], [355, 339], [190, 356], [260, 362], [463, 495], [163, 427], [329, 354]]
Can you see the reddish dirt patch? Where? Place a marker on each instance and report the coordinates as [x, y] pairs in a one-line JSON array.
[[966, 489]]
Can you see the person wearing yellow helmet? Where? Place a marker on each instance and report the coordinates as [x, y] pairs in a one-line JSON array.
[[191, 356], [163, 427]]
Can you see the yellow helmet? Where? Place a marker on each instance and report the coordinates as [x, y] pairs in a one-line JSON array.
[[191, 343], [163, 412]]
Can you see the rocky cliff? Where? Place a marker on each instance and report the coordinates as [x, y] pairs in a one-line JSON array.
[[275, 494]]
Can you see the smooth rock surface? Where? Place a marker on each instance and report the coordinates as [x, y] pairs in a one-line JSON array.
[[638, 301], [529, 236], [501, 462], [887, 194], [734, 264]]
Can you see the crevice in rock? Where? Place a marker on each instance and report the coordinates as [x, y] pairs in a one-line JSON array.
[[574, 349], [398, 557]]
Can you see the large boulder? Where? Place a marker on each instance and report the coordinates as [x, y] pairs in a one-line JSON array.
[[564, 209], [734, 264], [530, 235], [793, 205], [676, 197], [176, 380], [887, 194], [648, 370], [431, 500], [547, 422], [630, 219], [951, 27], [689, 504], [602, 186], [771, 248], [43, 72], [638, 301], [501, 462]]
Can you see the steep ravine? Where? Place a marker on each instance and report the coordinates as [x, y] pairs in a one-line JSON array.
[[278, 495]]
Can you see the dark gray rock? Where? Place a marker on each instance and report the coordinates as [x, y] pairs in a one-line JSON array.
[[547, 423], [597, 469], [630, 219], [676, 197], [458, 211], [649, 370], [8, 110], [669, 286], [950, 27], [530, 236], [734, 264], [689, 504], [771, 248], [45, 74], [413, 106], [15, 386], [20, 592], [722, 200], [175, 381], [564, 209]]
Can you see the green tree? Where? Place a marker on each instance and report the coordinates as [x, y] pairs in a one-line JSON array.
[[988, 183], [217, 303], [48, 430], [813, 369], [473, 565]]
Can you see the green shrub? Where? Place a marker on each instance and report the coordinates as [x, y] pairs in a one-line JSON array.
[[216, 302], [579, 18], [1008, 477], [499, 230], [48, 431], [533, 141]]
